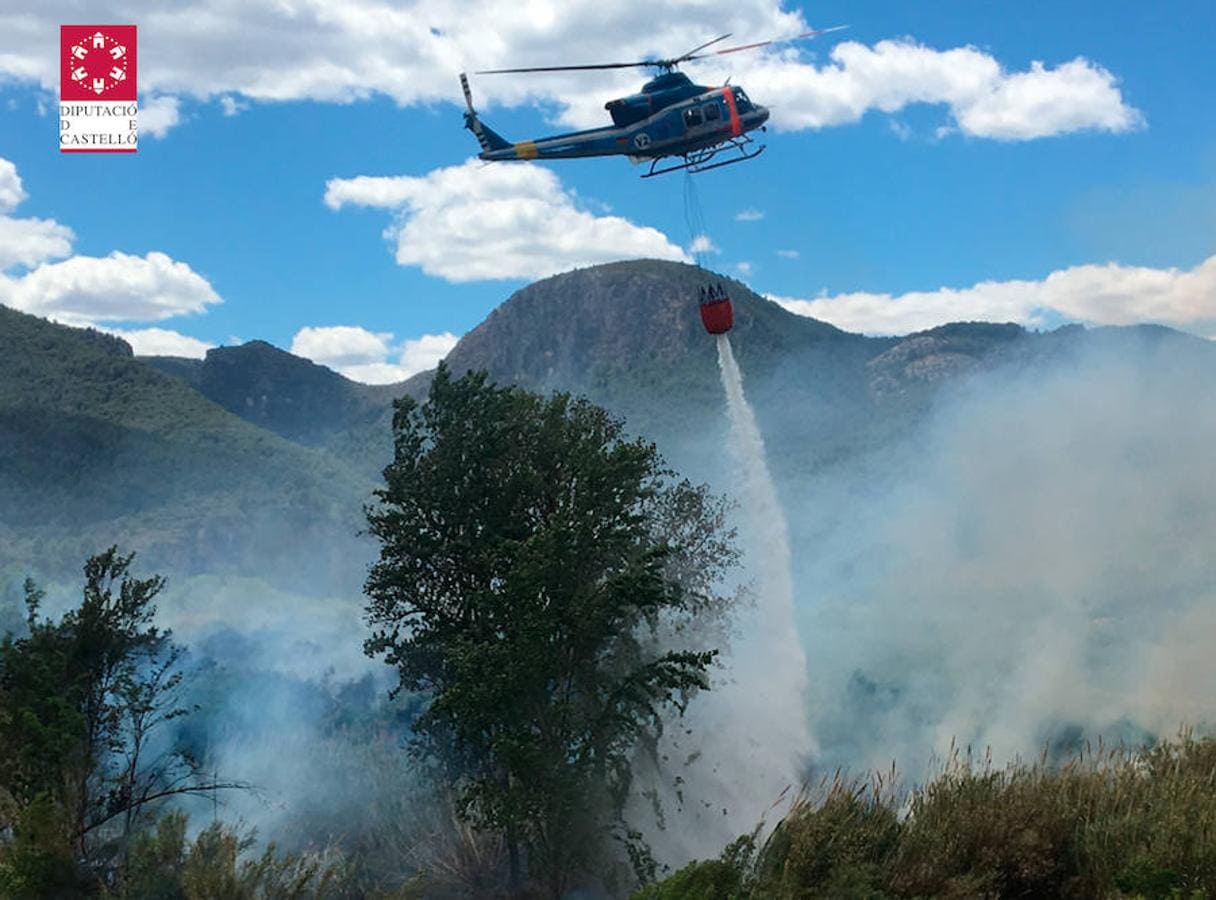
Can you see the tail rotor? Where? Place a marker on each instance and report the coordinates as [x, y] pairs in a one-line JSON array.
[[471, 121], [468, 94]]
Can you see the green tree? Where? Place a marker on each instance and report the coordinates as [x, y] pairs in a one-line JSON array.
[[82, 703], [532, 561]]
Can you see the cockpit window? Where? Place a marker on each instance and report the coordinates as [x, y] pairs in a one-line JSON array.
[[712, 112], [692, 117], [741, 96]]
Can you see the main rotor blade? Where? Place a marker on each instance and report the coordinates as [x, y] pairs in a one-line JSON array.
[[622, 65], [694, 53], [798, 37], [689, 54], [656, 63]]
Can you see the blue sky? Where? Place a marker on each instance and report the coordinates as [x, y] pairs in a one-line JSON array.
[[901, 164]]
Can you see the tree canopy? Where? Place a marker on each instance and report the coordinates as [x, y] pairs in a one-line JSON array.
[[532, 559]]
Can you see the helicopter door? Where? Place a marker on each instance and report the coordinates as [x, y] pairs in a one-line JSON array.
[[693, 120]]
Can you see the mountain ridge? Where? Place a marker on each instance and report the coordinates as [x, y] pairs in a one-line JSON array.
[[252, 455]]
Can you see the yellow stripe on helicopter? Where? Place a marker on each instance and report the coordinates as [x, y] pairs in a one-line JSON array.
[[525, 150]]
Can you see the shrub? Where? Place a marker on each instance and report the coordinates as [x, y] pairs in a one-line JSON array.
[[729, 877], [165, 865]]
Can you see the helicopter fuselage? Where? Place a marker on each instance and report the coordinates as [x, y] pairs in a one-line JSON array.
[[671, 116]]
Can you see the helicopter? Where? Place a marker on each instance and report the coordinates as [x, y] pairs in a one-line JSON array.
[[670, 118]]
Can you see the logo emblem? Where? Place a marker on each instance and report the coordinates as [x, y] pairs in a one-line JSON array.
[[97, 89], [98, 62], [641, 140]]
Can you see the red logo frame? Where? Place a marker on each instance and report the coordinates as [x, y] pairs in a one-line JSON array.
[[97, 62]]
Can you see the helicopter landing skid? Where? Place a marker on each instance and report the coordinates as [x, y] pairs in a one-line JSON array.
[[699, 160]]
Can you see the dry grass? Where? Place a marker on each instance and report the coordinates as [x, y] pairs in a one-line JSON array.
[[1107, 823]]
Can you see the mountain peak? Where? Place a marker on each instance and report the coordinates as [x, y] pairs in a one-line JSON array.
[[616, 317]]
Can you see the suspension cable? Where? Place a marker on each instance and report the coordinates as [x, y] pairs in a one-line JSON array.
[[694, 218]]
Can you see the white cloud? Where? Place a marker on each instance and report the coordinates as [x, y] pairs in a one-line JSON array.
[[374, 373], [474, 222], [702, 244], [420, 354], [341, 345], [376, 191], [87, 290], [119, 287], [28, 242], [162, 342], [11, 191], [363, 355], [743, 268], [1075, 96], [788, 254], [316, 49], [278, 50], [158, 115], [1110, 294], [232, 106], [984, 100], [749, 215]]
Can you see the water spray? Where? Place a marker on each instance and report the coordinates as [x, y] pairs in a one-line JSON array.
[[769, 658]]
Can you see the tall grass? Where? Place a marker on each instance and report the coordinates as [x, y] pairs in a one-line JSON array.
[[1109, 822]]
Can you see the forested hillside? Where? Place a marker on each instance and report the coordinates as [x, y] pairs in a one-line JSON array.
[[96, 443]]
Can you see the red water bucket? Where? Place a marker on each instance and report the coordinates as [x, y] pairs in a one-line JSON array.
[[717, 315]]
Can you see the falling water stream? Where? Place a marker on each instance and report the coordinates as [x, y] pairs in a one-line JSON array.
[[769, 661], [744, 743]]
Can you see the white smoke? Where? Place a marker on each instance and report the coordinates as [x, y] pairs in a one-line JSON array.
[[1031, 569]]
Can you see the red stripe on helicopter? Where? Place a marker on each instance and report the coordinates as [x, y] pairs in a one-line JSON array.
[[728, 95]]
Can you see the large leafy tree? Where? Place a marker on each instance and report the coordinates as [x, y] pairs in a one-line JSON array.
[[539, 579]]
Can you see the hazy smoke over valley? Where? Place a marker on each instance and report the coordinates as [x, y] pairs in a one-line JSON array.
[[1033, 567]]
